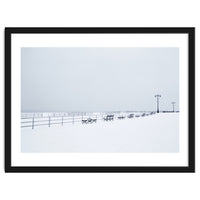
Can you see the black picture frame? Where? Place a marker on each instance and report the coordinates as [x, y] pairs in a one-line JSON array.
[[100, 30]]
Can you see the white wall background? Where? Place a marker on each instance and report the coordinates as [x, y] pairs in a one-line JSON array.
[[90, 13]]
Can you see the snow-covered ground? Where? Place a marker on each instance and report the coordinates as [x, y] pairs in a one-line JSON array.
[[157, 133]]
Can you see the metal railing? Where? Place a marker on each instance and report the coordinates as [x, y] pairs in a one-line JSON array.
[[49, 121], [40, 120]]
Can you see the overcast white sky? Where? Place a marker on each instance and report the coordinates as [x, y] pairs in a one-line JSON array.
[[98, 79]]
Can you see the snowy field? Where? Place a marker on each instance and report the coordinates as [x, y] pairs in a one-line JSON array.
[[158, 133]]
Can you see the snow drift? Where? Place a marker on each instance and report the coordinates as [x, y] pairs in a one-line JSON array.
[[157, 133]]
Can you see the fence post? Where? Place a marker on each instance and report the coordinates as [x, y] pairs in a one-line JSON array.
[[49, 121], [33, 123], [62, 120]]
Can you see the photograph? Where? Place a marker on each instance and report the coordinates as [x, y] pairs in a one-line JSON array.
[[99, 99]]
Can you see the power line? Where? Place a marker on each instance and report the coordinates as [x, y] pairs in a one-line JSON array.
[[157, 96], [173, 105]]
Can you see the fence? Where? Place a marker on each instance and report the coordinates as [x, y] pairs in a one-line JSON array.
[[52, 119], [49, 121]]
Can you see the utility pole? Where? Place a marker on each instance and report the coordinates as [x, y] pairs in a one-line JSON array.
[[157, 96], [173, 105]]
